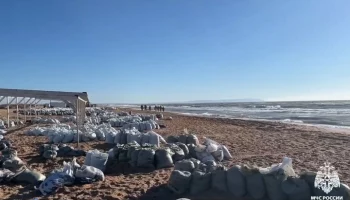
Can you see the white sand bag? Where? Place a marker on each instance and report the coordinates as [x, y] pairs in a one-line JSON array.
[[58, 138], [90, 172], [200, 182], [227, 154], [218, 155], [68, 137], [89, 155], [99, 160], [275, 176], [117, 138], [110, 136], [211, 148], [179, 181], [236, 182], [145, 139], [154, 138]]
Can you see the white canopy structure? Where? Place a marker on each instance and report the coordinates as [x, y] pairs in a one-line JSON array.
[[76, 100]]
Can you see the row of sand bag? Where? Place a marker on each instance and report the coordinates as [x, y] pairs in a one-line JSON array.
[[97, 159], [14, 170], [71, 173], [120, 121], [148, 155], [192, 175], [45, 121], [278, 182], [142, 126], [133, 135], [64, 133], [51, 151]]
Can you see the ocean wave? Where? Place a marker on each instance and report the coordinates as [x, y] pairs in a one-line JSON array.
[[292, 121]]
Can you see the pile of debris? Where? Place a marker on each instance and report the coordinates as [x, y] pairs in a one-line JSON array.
[[71, 173]]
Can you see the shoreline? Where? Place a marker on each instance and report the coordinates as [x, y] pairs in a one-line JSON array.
[[319, 127], [250, 142]]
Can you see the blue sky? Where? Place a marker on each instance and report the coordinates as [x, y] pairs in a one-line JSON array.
[[178, 50]]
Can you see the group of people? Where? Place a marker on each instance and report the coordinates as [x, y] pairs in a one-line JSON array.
[[156, 108]]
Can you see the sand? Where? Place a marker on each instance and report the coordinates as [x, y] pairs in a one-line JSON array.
[[250, 142]]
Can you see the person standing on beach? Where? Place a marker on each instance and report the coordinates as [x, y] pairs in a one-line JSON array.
[[150, 108], [141, 107]]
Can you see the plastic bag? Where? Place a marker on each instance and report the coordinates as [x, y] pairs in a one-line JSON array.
[[236, 182], [179, 181], [89, 173], [274, 177], [184, 165], [254, 182], [163, 158], [218, 178], [99, 160], [296, 189], [146, 158], [200, 182]]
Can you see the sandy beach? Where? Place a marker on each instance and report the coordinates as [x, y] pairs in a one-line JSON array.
[[250, 142]]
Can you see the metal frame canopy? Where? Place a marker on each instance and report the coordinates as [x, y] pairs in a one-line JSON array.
[[76, 100]]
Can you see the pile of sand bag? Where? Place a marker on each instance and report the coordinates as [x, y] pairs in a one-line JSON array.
[[45, 121], [278, 182], [63, 133], [210, 150], [133, 135], [51, 151]]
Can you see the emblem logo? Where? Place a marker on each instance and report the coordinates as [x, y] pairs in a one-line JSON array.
[[327, 178]]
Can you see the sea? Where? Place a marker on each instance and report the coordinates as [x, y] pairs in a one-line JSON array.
[[335, 114]]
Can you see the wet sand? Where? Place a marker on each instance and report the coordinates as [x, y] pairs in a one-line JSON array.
[[250, 142]]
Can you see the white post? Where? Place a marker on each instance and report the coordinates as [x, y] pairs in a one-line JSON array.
[[17, 110], [25, 112], [77, 120], [8, 113]]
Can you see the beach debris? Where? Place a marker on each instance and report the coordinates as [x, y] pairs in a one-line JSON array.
[[6, 176], [88, 174], [29, 177]]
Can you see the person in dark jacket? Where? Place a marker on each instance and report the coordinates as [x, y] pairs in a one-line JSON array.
[[149, 108], [163, 108], [141, 107]]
